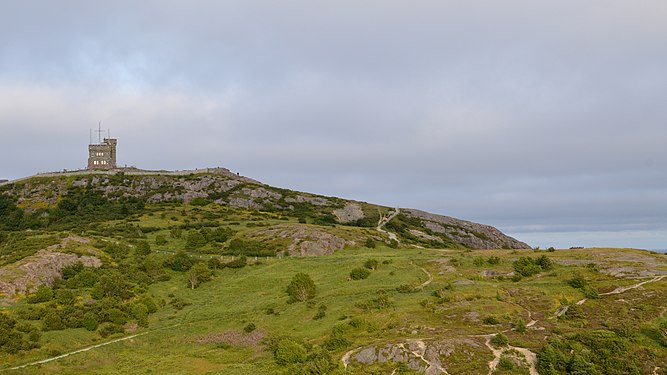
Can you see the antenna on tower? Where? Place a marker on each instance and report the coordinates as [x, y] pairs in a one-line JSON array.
[[91, 136]]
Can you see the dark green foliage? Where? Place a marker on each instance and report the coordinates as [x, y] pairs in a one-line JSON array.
[[195, 240], [499, 340], [11, 339], [43, 294], [359, 273], [18, 245], [493, 260], [199, 273], [108, 329], [239, 262], [113, 284], [590, 352], [381, 302], [505, 363], [478, 261], [370, 243], [219, 235], [490, 320], [371, 264], [577, 282], [406, 288], [249, 327], [527, 266], [90, 321], [289, 351], [72, 270], [180, 262], [139, 312], [520, 326], [65, 297], [301, 288], [52, 321], [544, 262], [321, 312], [142, 248], [160, 240]]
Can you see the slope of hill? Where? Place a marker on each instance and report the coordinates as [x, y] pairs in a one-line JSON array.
[[210, 272]]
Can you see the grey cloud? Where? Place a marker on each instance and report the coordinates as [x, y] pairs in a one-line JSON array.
[[538, 117]]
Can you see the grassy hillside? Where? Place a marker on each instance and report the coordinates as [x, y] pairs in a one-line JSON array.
[[202, 287]]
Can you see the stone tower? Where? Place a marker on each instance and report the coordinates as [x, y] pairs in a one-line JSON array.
[[102, 155]]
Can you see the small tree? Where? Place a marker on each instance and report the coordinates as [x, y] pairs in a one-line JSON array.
[[43, 294], [199, 273], [195, 240], [90, 321], [370, 243], [499, 340], [520, 326], [301, 288]]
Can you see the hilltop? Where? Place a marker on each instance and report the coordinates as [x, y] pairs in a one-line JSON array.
[[210, 272]]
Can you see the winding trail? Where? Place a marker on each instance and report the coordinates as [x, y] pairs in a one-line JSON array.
[[427, 282], [383, 221], [619, 290], [74, 352], [531, 358]]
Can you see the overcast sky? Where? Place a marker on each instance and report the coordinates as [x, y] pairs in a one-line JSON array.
[[546, 119]]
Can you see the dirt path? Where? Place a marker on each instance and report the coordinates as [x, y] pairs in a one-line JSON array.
[[531, 358], [420, 354], [382, 223], [74, 352], [346, 357], [427, 282], [619, 290]]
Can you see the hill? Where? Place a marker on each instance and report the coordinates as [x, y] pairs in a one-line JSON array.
[[211, 272]]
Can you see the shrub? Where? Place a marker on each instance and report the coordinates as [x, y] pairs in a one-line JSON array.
[[65, 297], [289, 351], [90, 321], [406, 288], [526, 266], [478, 261], [195, 240], [520, 326], [359, 273], [490, 320], [52, 321], [108, 329], [249, 327], [544, 262], [301, 288], [142, 248], [577, 282], [505, 363], [370, 243], [371, 264], [321, 312], [72, 270], [499, 340], [239, 262], [493, 260], [393, 244], [180, 262], [160, 240], [43, 294]]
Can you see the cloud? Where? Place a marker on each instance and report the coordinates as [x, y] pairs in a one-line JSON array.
[[533, 116]]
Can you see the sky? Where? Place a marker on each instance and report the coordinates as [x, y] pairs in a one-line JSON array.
[[546, 119]]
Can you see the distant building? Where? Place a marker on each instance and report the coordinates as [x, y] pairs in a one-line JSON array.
[[102, 155]]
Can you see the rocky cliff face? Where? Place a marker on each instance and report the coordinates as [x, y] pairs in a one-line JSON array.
[[219, 186], [472, 235]]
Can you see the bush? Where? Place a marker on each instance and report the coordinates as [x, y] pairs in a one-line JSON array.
[[499, 340], [370, 243], [505, 363], [321, 312], [406, 288], [301, 288], [142, 248], [478, 261], [65, 297], [180, 262], [359, 273], [520, 326], [52, 322], [90, 321], [43, 294], [249, 327], [577, 282], [544, 262], [493, 260], [199, 273], [526, 266], [239, 262], [289, 351], [72, 270], [195, 240], [108, 329], [160, 240], [371, 264], [490, 320]]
